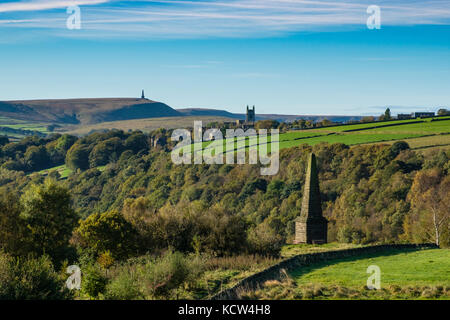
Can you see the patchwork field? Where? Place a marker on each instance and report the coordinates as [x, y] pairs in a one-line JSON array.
[[421, 135], [437, 132]]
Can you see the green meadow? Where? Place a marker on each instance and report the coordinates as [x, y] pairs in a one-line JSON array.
[[398, 267], [404, 274]]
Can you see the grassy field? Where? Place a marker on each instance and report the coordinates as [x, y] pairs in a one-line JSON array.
[[405, 274], [370, 133], [21, 125], [63, 171], [398, 267], [421, 135]]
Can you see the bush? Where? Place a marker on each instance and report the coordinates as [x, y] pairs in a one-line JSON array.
[[264, 241], [30, 279], [125, 286], [93, 282], [168, 273]]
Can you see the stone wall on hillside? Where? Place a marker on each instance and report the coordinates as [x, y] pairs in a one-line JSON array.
[[273, 272]]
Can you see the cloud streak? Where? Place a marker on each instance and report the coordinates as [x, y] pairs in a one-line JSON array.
[[18, 6], [233, 18]]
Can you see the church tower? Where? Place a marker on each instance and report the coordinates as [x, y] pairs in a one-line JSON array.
[[250, 116], [311, 226]]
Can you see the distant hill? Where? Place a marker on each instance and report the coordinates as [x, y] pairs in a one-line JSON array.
[[210, 112], [278, 117], [290, 118], [85, 111]]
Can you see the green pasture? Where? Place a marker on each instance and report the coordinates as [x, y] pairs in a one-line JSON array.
[[370, 134], [406, 267]]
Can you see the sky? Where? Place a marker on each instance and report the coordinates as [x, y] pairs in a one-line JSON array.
[[283, 56]]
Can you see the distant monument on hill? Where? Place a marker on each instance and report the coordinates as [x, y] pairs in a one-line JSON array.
[[311, 226], [143, 95]]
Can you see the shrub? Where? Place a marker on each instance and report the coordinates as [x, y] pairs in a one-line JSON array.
[[168, 273], [30, 279], [125, 286], [264, 241], [94, 281]]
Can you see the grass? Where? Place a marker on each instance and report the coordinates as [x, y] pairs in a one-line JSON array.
[[427, 143], [405, 274], [12, 123], [421, 135], [224, 272], [398, 267], [63, 171], [406, 130]]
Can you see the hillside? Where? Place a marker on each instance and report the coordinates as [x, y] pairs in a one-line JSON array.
[[210, 112], [277, 117], [85, 111]]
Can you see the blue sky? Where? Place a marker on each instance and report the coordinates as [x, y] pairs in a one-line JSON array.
[[284, 56]]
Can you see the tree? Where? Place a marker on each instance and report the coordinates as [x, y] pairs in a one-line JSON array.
[[36, 158], [49, 218], [326, 122], [386, 115], [108, 231], [368, 119], [65, 142], [397, 147], [11, 225], [430, 200], [105, 151], [78, 157], [443, 112], [267, 124], [136, 142], [4, 140]]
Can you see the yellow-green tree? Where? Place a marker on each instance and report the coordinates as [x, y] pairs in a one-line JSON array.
[[109, 231], [49, 218], [430, 202]]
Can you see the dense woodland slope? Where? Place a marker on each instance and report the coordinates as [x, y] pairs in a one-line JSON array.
[[370, 192], [141, 227]]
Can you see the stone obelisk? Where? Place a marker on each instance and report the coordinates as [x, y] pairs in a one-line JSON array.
[[311, 226]]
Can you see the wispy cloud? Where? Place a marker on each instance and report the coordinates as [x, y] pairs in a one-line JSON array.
[[233, 18], [39, 5]]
